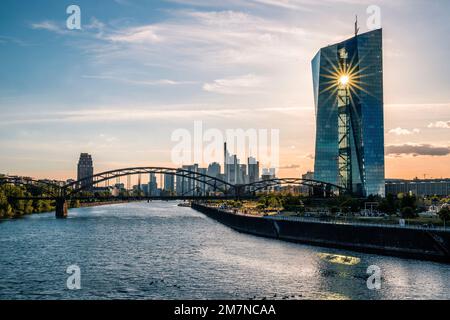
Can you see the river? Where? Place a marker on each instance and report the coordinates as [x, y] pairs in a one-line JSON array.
[[161, 251]]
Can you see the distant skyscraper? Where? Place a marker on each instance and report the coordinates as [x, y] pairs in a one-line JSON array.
[[202, 187], [348, 92], [85, 169], [231, 163], [185, 185], [169, 183], [253, 170], [268, 174], [242, 177], [214, 170], [233, 169], [179, 185], [307, 176], [152, 185]]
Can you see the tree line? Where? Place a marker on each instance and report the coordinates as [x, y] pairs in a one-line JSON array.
[[10, 207]]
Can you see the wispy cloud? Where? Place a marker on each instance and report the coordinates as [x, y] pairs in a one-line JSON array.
[[137, 35], [287, 4], [137, 114], [49, 26], [235, 85], [440, 125], [207, 39], [404, 132], [417, 150], [158, 82], [290, 166], [9, 40]]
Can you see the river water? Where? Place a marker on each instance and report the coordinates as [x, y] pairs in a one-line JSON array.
[[161, 251]]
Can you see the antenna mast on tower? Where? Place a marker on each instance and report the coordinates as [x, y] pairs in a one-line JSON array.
[[356, 26]]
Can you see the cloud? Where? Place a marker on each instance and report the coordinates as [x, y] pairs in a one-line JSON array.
[[8, 40], [404, 132], [417, 150], [290, 166], [304, 5], [440, 125], [209, 40], [137, 35], [235, 85], [138, 82], [285, 4], [144, 113], [49, 26], [308, 156], [236, 49]]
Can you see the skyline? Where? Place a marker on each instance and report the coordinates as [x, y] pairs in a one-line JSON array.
[[114, 88]]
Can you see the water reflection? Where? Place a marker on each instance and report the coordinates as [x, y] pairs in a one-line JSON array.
[[339, 259], [161, 251]]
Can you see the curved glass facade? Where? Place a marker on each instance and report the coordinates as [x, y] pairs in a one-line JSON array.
[[360, 165]]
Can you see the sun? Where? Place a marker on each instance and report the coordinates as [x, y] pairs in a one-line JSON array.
[[347, 75], [344, 80]]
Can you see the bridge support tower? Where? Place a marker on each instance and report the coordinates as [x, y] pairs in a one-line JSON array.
[[61, 208]]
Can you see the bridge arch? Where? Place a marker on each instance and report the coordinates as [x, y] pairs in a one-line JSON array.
[[84, 184]]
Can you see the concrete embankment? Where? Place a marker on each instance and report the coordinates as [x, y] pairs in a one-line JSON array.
[[425, 244]]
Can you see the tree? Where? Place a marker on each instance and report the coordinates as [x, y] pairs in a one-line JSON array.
[[389, 205], [408, 201], [5, 208], [408, 213], [444, 214]]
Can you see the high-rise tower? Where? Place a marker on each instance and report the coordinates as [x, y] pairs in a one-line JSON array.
[[85, 169], [348, 93]]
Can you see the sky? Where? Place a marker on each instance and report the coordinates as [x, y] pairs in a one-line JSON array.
[[138, 70]]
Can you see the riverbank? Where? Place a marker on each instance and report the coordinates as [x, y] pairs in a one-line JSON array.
[[79, 205], [416, 243]]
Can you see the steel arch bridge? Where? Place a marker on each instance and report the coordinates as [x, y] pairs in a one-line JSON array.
[[84, 184], [63, 193]]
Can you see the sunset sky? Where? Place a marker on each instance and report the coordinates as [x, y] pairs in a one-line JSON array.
[[138, 70]]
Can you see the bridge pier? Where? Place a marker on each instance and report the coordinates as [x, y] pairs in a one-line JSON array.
[[61, 208]]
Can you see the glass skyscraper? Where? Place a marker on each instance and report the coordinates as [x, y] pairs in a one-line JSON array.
[[348, 93]]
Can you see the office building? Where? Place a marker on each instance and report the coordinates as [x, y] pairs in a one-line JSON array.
[[422, 188], [169, 183], [253, 170], [348, 93], [85, 170]]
